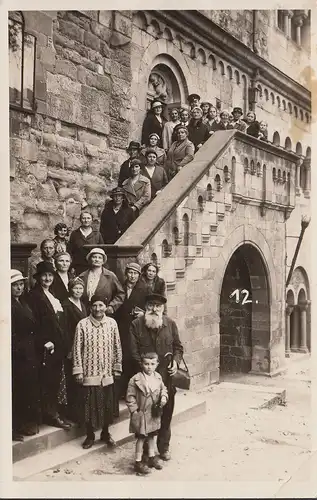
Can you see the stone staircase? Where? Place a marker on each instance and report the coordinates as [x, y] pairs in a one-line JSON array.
[[53, 447]]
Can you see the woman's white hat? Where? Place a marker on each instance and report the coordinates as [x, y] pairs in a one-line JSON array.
[[16, 276], [100, 251]]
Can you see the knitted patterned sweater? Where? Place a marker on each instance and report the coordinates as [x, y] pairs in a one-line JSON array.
[[97, 351]]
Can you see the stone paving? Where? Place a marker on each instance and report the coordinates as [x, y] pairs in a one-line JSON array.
[[232, 443]]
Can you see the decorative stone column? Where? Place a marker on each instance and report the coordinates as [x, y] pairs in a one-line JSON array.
[[289, 309], [297, 177], [303, 306], [298, 23], [290, 14], [295, 336], [286, 23], [307, 167]]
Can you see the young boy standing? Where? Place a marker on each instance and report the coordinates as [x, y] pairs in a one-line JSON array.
[[146, 396]]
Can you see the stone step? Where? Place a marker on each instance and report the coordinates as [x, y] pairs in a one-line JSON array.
[[188, 405], [51, 437]]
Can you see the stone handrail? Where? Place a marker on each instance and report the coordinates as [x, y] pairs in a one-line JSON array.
[[154, 216]]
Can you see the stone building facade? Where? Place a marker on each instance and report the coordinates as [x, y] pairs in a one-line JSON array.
[[89, 86]]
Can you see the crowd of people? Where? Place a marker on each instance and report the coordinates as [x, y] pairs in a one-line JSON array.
[[166, 146], [82, 340]]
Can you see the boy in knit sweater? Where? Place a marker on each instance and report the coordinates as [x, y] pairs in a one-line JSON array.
[[97, 361]]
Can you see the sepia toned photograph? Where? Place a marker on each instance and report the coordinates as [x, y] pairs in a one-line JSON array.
[[160, 224]]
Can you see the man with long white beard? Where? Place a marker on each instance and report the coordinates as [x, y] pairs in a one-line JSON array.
[[158, 333]]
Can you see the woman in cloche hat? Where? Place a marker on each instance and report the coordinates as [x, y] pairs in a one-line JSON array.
[[116, 217], [25, 363], [49, 316]]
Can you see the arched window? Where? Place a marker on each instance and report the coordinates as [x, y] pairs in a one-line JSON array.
[[272, 97], [279, 175], [288, 144], [246, 165], [22, 56], [186, 233], [284, 177], [276, 138], [301, 115], [266, 94], [218, 182], [209, 193], [296, 111], [302, 176], [176, 235], [280, 20], [226, 173], [154, 258], [299, 149], [278, 101], [308, 152], [290, 108], [201, 203], [274, 174], [166, 248], [258, 169], [252, 167]]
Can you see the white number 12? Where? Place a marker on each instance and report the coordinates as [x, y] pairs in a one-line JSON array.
[[237, 292]]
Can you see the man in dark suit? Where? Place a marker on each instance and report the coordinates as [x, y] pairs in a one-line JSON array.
[[154, 123], [133, 151], [116, 217], [155, 173]]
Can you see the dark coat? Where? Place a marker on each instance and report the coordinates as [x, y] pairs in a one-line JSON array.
[[151, 125], [124, 171], [220, 126], [49, 325], [124, 316], [253, 129], [58, 288], [108, 287], [72, 317], [158, 180], [239, 125], [158, 285], [165, 340], [25, 365], [76, 248], [198, 133], [113, 225]]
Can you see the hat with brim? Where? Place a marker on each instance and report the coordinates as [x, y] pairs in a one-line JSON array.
[[117, 190], [136, 162], [156, 297], [191, 97], [180, 126], [134, 145], [205, 103], [16, 276], [134, 266], [74, 282], [156, 104], [98, 298], [42, 268], [237, 110], [99, 251]]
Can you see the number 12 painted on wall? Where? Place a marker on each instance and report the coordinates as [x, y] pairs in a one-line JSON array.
[[237, 294]]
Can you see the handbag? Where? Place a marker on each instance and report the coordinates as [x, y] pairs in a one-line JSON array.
[[181, 379]]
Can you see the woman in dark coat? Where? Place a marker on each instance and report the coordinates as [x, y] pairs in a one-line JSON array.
[[150, 281], [154, 123], [25, 364], [116, 217], [198, 132], [74, 311], [132, 306], [49, 316], [253, 126], [84, 235], [62, 276]]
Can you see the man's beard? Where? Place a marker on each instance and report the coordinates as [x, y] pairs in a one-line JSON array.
[[153, 320]]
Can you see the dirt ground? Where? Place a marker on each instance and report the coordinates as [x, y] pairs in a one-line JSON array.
[[231, 442]]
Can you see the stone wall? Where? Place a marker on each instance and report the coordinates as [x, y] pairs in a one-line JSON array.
[[70, 149]]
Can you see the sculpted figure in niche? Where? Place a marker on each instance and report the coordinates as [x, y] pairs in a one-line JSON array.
[[159, 87]]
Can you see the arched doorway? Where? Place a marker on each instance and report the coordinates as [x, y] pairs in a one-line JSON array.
[[244, 314], [166, 83]]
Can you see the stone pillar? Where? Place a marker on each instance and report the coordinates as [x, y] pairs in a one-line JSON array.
[[286, 23], [295, 336], [290, 14], [297, 178], [303, 306], [289, 309], [307, 168]]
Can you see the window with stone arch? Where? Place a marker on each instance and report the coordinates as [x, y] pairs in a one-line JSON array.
[[185, 221], [166, 83], [22, 57]]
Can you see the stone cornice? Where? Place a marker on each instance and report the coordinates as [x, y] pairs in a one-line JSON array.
[[267, 146], [220, 42]]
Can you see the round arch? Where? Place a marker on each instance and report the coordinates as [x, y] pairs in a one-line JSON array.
[[262, 361], [164, 53]]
